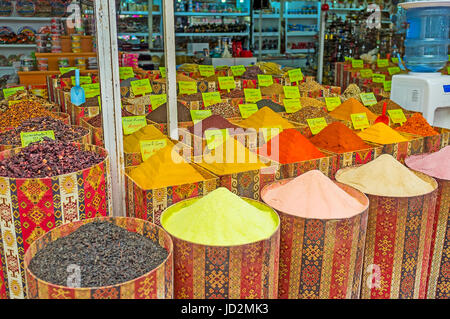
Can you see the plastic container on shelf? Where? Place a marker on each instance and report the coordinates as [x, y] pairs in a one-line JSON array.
[[63, 62], [426, 43], [56, 49]]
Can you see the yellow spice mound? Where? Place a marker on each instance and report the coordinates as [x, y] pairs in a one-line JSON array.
[[131, 142], [220, 218], [231, 157], [165, 168], [380, 133], [265, 117], [384, 176]]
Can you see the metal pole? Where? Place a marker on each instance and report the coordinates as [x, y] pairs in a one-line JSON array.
[[150, 24], [321, 44], [260, 34], [108, 60], [170, 62]]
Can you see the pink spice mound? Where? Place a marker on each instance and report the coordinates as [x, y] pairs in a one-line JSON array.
[[313, 195], [433, 164]]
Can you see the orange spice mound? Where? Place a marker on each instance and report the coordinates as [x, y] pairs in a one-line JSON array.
[[418, 125], [349, 107]]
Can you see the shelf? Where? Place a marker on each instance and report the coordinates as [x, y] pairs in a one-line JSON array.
[[301, 33], [300, 51], [43, 19], [236, 34], [301, 16], [40, 77], [138, 13], [66, 54], [346, 9], [267, 16], [208, 14], [267, 34], [267, 51], [18, 46], [5, 68], [139, 34]]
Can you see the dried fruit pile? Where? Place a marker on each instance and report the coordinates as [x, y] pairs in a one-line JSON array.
[[16, 114]]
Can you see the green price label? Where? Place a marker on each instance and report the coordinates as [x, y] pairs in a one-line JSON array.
[[332, 102], [237, 70], [206, 70], [216, 138], [292, 105], [132, 124], [252, 95], [150, 147], [248, 110], [65, 70], [291, 92], [141, 87], [227, 83], [448, 70], [387, 86], [126, 73], [397, 116], [317, 124], [357, 64], [360, 121], [162, 70], [156, 100], [83, 80], [378, 78], [199, 115], [395, 60], [30, 137], [382, 63], [91, 90], [366, 73], [368, 98], [295, 75], [99, 98], [265, 80], [11, 91], [17, 102], [394, 70], [187, 87], [211, 98], [346, 59]]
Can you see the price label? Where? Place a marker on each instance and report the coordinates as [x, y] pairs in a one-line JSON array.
[[99, 98], [65, 70], [366, 73], [394, 70], [265, 80], [397, 116], [91, 90], [227, 83], [150, 147], [357, 64], [126, 73], [215, 138], [360, 121], [382, 63], [332, 102], [156, 100], [83, 80], [448, 70], [347, 59], [141, 87], [11, 91], [291, 92], [30, 137], [292, 105], [199, 115], [368, 98], [295, 75], [211, 98], [17, 102], [206, 70], [237, 70], [387, 86], [378, 78], [317, 124], [162, 70], [248, 110], [132, 124], [395, 60], [252, 95], [270, 132], [187, 87]]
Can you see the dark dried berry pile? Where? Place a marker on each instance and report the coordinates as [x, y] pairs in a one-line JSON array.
[[63, 132], [96, 121], [270, 104], [46, 159], [106, 254], [252, 73]]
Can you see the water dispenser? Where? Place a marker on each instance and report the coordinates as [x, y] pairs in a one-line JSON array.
[[424, 89]]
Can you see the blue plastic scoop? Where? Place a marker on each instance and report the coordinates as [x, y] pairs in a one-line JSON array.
[[77, 96]]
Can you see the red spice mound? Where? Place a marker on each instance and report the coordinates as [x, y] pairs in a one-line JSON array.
[[418, 125], [290, 146], [338, 138]]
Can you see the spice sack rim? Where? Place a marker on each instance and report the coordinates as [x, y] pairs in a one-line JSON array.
[[185, 203], [90, 147], [424, 177], [27, 258], [366, 202]]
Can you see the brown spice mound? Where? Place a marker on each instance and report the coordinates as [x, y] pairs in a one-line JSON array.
[[310, 112]]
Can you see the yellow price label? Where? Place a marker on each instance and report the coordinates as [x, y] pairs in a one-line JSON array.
[[83, 80], [66, 70], [397, 116], [216, 138], [252, 95], [359, 121], [16, 102], [91, 90], [141, 87], [368, 98], [357, 64], [292, 105], [295, 75], [247, 110], [206, 70], [156, 100], [378, 78], [30, 137], [237, 70], [187, 87], [366, 73], [317, 124], [199, 115], [332, 102], [387, 86], [382, 63], [394, 70], [210, 98], [126, 73], [291, 92], [11, 91], [150, 147], [226, 83], [162, 70], [395, 60], [133, 124], [265, 80]]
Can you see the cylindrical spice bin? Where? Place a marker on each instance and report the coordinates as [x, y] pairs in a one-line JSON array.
[[321, 258], [156, 284], [398, 242], [30, 207], [245, 271]]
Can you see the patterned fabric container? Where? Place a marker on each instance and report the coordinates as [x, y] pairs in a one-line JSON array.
[[156, 284]]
